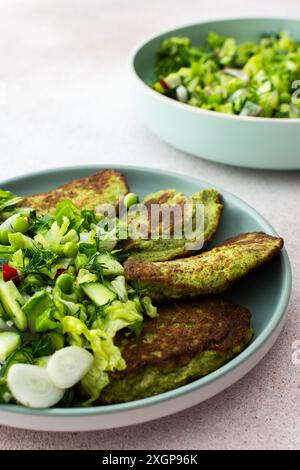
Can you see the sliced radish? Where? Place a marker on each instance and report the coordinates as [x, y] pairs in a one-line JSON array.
[[164, 84], [67, 366], [31, 386], [10, 273], [59, 272]]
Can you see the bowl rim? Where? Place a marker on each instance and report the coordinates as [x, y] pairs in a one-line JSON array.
[[245, 355], [184, 106]]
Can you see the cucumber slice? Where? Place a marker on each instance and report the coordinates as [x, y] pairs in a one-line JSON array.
[[7, 224], [98, 293], [31, 386], [9, 342], [67, 366], [12, 301], [111, 267], [119, 286]]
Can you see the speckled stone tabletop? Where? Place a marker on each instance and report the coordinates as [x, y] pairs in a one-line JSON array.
[[64, 100]]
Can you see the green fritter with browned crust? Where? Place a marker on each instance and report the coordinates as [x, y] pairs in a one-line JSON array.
[[185, 342], [166, 248], [104, 187], [209, 273]]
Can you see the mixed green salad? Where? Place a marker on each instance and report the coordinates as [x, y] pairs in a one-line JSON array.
[[248, 79], [63, 298]]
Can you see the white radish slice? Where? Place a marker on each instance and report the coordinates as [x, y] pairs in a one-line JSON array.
[[67, 366], [31, 386]]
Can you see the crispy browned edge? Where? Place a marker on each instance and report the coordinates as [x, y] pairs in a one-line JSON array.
[[243, 239], [220, 213], [96, 182], [228, 325], [149, 271]]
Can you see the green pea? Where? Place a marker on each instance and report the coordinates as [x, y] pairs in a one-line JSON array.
[[130, 199], [4, 237], [284, 97], [20, 225], [65, 283], [70, 249]]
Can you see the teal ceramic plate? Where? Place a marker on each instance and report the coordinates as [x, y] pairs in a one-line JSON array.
[[265, 293], [236, 140]]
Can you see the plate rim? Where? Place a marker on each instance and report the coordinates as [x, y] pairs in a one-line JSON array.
[[244, 356]]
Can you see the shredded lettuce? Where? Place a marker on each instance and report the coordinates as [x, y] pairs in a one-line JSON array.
[[119, 315], [107, 356], [149, 307], [71, 290]]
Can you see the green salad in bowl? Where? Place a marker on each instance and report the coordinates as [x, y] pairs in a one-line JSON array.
[[252, 78]]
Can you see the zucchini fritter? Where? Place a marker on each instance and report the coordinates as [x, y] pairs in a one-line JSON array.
[[106, 186], [209, 273], [186, 341], [163, 249]]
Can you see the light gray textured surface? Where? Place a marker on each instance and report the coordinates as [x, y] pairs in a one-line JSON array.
[[64, 101]]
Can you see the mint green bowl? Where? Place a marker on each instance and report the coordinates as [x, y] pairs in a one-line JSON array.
[[252, 142], [265, 293]]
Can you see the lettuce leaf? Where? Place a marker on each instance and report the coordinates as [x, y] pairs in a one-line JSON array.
[[107, 356], [21, 241], [66, 209], [68, 304], [119, 315], [41, 313], [149, 307]]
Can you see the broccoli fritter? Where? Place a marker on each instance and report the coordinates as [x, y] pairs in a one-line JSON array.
[[209, 273], [185, 342], [104, 187], [162, 248]]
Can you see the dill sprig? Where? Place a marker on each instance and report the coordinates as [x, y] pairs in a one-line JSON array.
[[41, 223], [95, 267], [38, 260]]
